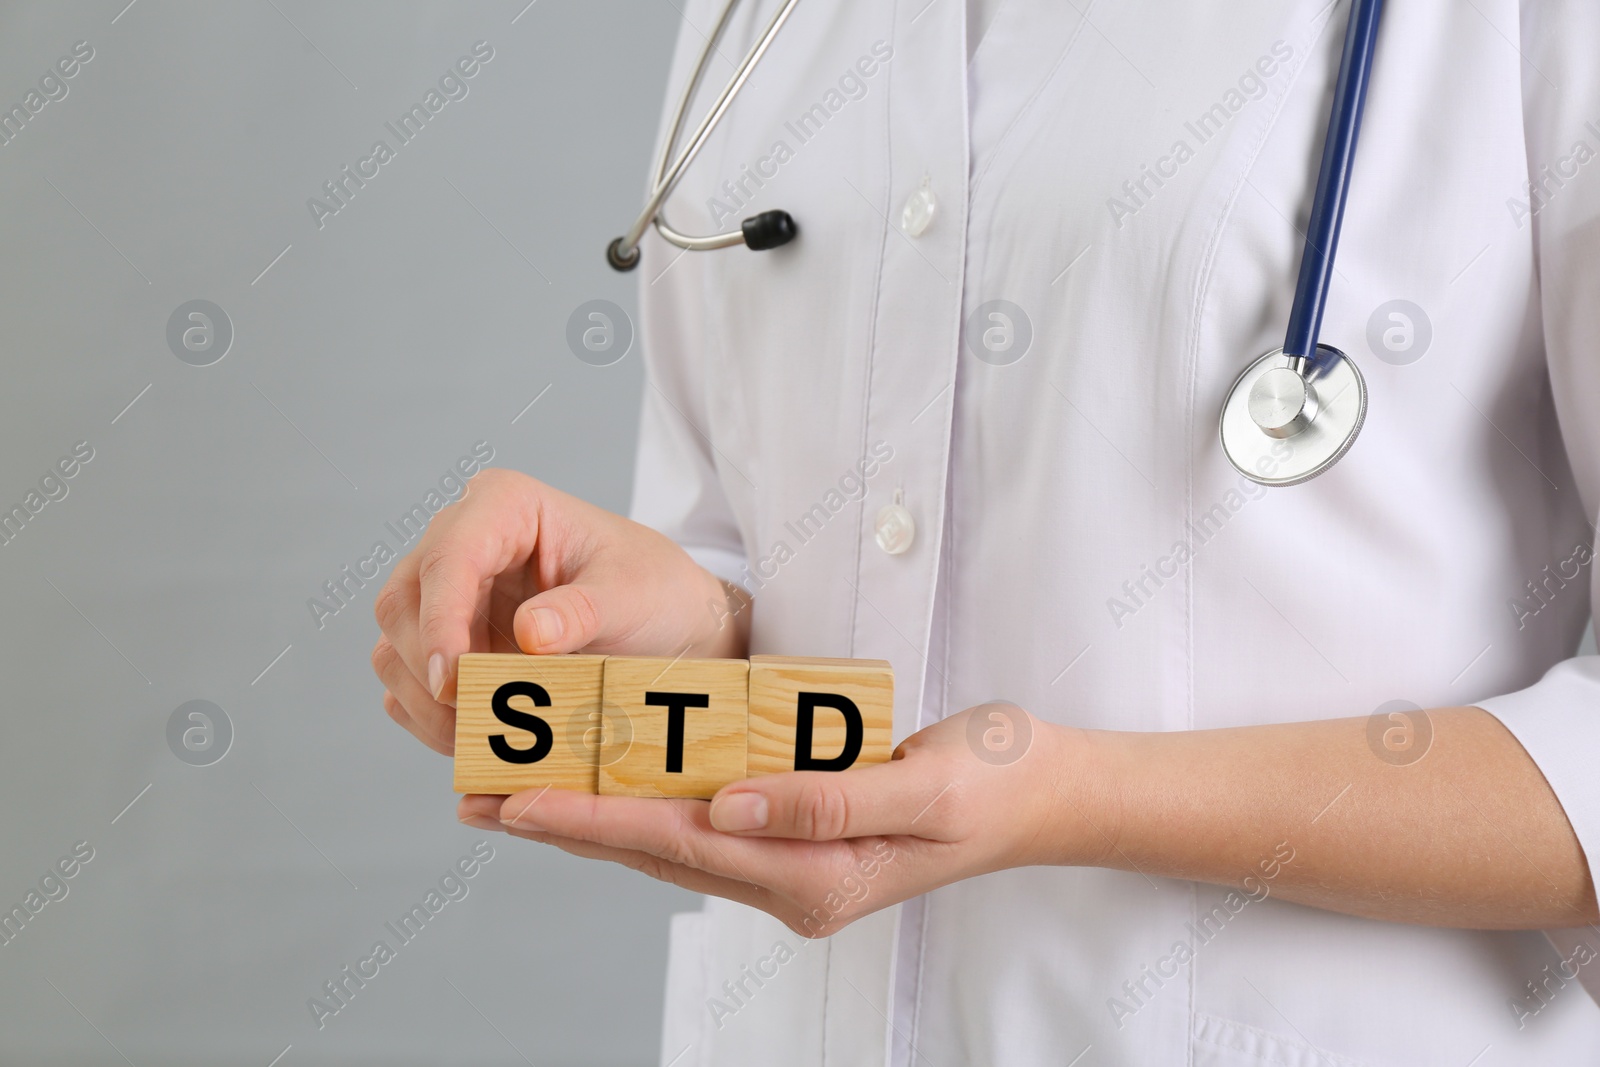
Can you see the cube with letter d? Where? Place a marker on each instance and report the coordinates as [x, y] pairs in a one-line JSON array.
[[523, 722], [819, 714]]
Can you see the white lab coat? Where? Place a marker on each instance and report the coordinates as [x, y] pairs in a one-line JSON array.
[[1041, 486]]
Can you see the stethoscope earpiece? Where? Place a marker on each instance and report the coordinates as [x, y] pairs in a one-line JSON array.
[[770, 229], [617, 260]]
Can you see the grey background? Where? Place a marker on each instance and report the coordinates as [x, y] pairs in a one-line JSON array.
[[365, 362]]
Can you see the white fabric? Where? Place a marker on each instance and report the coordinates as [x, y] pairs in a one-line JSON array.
[[1041, 487], [980, 14]]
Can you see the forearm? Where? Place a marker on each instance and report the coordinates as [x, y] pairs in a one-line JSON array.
[[1469, 835]]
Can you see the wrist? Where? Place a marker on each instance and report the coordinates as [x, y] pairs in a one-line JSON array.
[[1084, 786]]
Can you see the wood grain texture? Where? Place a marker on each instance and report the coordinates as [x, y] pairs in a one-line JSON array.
[[776, 685], [641, 746], [573, 687]]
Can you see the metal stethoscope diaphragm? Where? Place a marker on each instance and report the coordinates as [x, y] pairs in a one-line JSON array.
[[1287, 419]]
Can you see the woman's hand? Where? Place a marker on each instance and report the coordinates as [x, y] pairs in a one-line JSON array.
[[1465, 832], [516, 566], [818, 849]]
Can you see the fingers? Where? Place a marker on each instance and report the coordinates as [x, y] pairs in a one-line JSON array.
[[563, 619], [490, 531], [399, 715], [690, 878], [452, 596], [483, 811], [900, 797], [480, 806], [433, 723], [516, 564], [672, 830]]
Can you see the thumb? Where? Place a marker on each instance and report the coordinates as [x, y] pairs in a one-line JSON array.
[[889, 798], [563, 619]]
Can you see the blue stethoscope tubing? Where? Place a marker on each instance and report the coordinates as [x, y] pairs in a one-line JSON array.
[[1333, 178], [1295, 411]]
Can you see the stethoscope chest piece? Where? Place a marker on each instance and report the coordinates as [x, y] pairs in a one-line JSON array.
[[1286, 419]]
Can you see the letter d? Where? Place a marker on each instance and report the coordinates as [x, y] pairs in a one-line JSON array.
[[805, 715]]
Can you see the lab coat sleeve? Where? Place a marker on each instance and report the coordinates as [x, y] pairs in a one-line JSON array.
[[1557, 720], [677, 489]]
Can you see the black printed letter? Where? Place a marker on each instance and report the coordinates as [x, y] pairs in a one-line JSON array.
[[543, 737], [806, 712], [675, 703]]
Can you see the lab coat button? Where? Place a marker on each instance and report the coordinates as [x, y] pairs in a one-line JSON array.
[[917, 215], [894, 529]]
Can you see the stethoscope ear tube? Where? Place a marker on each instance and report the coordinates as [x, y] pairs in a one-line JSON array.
[[623, 253]]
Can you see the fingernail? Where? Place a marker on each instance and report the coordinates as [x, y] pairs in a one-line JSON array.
[[739, 811], [436, 674], [548, 624], [482, 822]]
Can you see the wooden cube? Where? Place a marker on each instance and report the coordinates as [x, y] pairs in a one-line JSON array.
[[819, 714], [527, 721], [673, 727]]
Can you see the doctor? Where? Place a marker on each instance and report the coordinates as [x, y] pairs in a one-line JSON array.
[[1166, 790]]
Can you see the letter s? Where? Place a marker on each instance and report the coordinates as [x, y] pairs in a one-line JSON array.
[[83, 50], [483, 50], [544, 737]]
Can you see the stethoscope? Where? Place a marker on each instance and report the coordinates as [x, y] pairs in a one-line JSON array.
[[770, 229], [1291, 414]]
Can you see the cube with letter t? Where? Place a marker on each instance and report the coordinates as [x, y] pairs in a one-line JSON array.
[[819, 714], [673, 727]]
